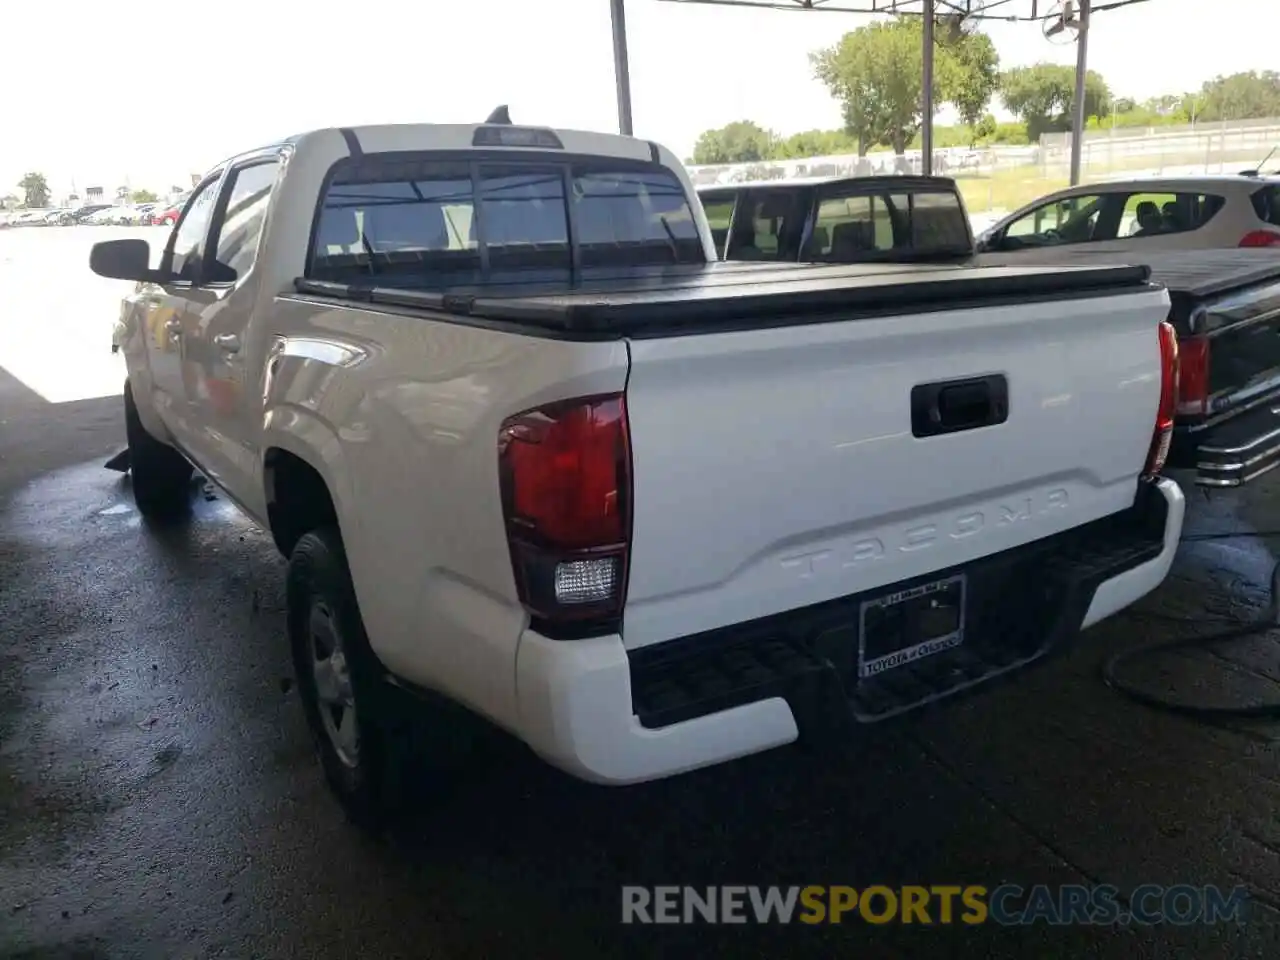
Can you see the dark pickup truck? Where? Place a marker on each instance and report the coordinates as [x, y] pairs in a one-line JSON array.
[[840, 220]]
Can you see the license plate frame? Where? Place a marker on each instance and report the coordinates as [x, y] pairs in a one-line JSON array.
[[942, 601]]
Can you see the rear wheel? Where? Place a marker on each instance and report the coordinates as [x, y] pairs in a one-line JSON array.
[[378, 744], [160, 475], [337, 675]]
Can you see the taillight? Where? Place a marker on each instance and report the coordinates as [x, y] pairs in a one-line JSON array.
[[1261, 238], [565, 472], [1163, 434], [1193, 376]]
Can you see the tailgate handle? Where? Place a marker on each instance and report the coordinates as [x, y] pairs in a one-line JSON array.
[[954, 405]]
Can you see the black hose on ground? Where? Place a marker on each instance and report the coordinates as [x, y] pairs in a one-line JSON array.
[[1234, 630]]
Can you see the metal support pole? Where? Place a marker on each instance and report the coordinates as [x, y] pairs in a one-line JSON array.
[[621, 70], [1077, 105], [926, 128]]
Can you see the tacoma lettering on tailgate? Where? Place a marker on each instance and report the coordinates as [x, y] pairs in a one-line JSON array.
[[922, 536]]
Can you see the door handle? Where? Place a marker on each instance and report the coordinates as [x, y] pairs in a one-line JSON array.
[[228, 342]]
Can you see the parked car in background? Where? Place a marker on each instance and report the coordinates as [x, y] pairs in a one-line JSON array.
[[164, 215], [81, 214], [54, 216], [1142, 215], [128, 214], [107, 215], [142, 212], [27, 218], [839, 219]]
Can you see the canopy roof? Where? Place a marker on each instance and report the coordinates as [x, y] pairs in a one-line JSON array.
[[1015, 10]]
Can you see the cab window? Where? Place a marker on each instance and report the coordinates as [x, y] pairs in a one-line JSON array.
[[187, 246], [768, 225], [848, 226], [241, 226], [718, 208]]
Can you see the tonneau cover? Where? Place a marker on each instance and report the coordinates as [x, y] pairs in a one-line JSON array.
[[709, 296], [1195, 274]]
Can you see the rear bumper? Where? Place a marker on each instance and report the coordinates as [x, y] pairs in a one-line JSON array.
[[1234, 452], [611, 716]]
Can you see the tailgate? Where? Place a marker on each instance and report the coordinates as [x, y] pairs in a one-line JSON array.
[[781, 467]]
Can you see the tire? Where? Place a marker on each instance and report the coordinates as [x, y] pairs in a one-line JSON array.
[[339, 696], [161, 476]]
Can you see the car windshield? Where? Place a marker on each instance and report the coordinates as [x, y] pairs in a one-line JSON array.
[[420, 221]]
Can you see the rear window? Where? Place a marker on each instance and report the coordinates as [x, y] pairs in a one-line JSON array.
[[772, 225], [718, 208], [887, 225], [1266, 204], [440, 223], [1151, 214]]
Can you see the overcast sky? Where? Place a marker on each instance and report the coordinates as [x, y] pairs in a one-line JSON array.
[[154, 90]]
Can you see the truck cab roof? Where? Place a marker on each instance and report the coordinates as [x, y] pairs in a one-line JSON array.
[[873, 182]]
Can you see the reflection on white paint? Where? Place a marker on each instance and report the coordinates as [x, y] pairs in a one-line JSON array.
[[846, 444]]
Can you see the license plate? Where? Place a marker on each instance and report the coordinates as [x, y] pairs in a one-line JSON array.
[[909, 625]]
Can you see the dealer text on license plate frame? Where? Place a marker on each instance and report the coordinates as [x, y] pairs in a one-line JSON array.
[[915, 607]]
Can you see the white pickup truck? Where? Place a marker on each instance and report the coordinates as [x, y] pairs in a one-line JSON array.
[[528, 447]]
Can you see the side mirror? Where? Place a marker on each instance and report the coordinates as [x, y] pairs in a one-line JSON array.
[[122, 260]]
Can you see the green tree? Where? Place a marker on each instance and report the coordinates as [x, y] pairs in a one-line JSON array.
[[1241, 96], [875, 73], [1041, 96], [985, 128], [144, 196], [35, 189], [742, 141], [1164, 104], [971, 74], [814, 143]]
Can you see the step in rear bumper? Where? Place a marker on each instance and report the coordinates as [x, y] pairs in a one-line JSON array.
[[615, 716]]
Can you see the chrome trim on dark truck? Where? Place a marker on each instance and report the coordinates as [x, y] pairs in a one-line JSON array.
[[1241, 450]]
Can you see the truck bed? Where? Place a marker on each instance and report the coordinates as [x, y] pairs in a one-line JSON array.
[[726, 295], [1191, 276]]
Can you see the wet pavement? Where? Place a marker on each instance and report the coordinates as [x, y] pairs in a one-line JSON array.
[[159, 797]]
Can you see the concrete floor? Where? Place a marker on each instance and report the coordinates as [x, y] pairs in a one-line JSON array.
[[158, 795]]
